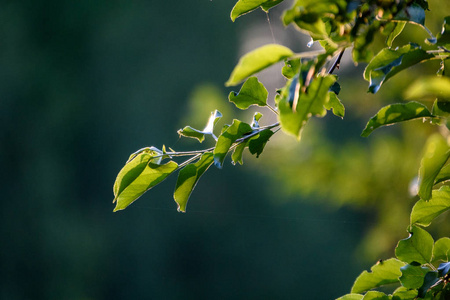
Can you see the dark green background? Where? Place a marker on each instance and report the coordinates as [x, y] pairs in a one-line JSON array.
[[85, 83]]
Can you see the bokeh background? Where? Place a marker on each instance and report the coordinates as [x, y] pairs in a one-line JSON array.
[[84, 84]]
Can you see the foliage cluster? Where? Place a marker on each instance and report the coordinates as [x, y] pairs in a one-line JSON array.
[[421, 266]]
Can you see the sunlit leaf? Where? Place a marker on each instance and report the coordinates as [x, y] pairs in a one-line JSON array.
[[190, 132], [351, 297], [389, 62], [252, 92], [443, 38], [441, 250], [310, 103], [375, 295], [244, 6], [403, 293], [227, 138], [291, 68], [256, 145], [236, 157], [418, 247], [413, 276], [424, 212], [256, 117], [394, 31], [257, 60], [395, 113], [139, 178], [382, 273], [429, 87], [188, 178], [335, 104], [435, 156]]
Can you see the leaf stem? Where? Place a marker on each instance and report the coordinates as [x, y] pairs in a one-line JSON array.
[[272, 109], [336, 62]]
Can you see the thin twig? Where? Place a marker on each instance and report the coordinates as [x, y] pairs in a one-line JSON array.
[[336, 62]]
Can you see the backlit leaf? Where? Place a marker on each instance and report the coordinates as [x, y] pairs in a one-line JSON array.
[[227, 138], [429, 87], [335, 104], [257, 60], [443, 38], [436, 155], [236, 157], [375, 295], [252, 92], [413, 276], [310, 103], [140, 179], [389, 62], [291, 68], [441, 250], [397, 28], [424, 212], [188, 131], [395, 113], [382, 273], [351, 297], [418, 247], [403, 293], [244, 6], [188, 178]]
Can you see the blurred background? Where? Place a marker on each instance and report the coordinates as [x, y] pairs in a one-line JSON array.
[[84, 84]]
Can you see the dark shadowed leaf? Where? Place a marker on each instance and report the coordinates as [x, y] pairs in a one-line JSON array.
[[413, 276], [441, 250], [418, 247], [257, 60], [382, 273], [256, 145], [443, 38], [139, 179], [188, 178], [227, 138], [252, 92], [389, 62], [435, 156], [430, 279], [412, 13], [395, 113], [424, 212]]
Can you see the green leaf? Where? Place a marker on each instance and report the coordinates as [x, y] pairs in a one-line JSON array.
[[418, 247], [429, 87], [382, 273], [190, 132], [137, 177], [395, 30], [335, 104], [389, 62], [227, 138], [443, 38], [245, 6], [436, 154], [430, 279], [441, 250], [444, 175], [291, 68], [252, 92], [257, 60], [424, 212], [256, 145], [375, 295], [412, 13], [403, 293], [395, 113], [236, 157], [413, 276], [310, 103], [256, 117], [351, 297], [188, 178]]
